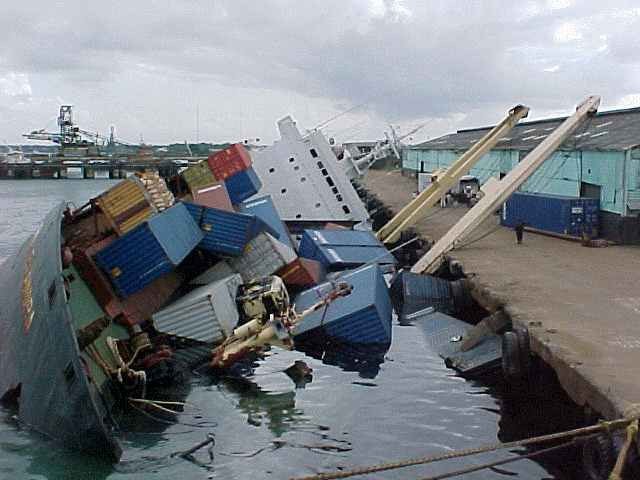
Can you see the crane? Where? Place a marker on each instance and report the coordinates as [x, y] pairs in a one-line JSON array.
[[497, 191], [409, 215]]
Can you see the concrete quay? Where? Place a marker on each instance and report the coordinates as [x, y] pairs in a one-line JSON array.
[[581, 305]]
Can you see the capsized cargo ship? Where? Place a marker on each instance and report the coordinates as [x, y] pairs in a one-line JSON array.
[[99, 306]]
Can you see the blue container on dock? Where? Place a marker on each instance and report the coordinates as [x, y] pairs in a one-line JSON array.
[[242, 185], [362, 317], [263, 208], [226, 233], [552, 213], [344, 249], [150, 250]]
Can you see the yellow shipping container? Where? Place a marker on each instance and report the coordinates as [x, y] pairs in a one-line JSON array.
[[126, 205]]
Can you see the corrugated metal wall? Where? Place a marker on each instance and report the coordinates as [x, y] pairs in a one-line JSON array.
[[561, 174]]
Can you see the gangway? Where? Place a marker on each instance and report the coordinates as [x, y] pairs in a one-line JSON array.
[[497, 192], [425, 200]]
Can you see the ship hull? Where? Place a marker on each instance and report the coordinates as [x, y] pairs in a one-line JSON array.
[[40, 363]]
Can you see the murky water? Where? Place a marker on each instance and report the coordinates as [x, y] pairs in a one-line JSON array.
[[265, 427]]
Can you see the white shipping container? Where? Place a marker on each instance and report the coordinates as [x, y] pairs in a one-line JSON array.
[[263, 256], [207, 314]]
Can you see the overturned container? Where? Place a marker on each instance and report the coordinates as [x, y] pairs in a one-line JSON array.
[[242, 185], [207, 314], [345, 249], [150, 250], [225, 233], [198, 176], [412, 292], [213, 196], [263, 256], [264, 208], [126, 205], [362, 317], [302, 273], [229, 161]]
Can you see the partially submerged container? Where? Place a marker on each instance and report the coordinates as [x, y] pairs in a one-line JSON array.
[[552, 213], [150, 250], [362, 317], [412, 292], [345, 249], [264, 208], [207, 314], [242, 185], [126, 205], [263, 256], [198, 176], [213, 196], [302, 273], [225, 233], [229, 161]]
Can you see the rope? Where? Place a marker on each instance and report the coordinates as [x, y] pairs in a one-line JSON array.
[[602, 426], [632, 431], [484, 466]]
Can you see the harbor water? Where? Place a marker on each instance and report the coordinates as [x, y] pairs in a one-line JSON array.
[[350, 414]]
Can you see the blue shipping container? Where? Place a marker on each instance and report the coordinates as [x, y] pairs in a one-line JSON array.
[[362, 317], [150, 250], [344, 249], [242, 185], [225, 233], [552, 213], [263, 208]]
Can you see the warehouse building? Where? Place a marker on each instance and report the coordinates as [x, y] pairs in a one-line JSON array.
[[600, 159]]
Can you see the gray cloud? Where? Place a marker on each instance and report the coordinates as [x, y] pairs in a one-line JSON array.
[[146, 65]]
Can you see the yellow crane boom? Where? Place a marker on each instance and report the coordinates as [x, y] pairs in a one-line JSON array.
[[419, 206]]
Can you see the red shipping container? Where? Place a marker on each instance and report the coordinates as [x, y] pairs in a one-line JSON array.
[[232, 160], [302, 272], [213, 196]]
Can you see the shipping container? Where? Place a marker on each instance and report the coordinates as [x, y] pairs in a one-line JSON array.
[[345, 249], [150, 250], [216, 273], [412, 292], [207, 314], [198, 176], [229, 161], [552, 213], [242, 185], [263, 208], [126, 205], [362, 317], [157, 190], [213, 196], [262, 256], [302, 272], [225, 233]]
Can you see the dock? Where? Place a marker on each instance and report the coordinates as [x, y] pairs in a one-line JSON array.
[[581, 305]]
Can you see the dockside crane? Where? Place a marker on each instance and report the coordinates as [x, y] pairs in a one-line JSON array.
[[498, 191], [419, 206]]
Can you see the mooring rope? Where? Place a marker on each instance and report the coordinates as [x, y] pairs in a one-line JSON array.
[[607, 426], [632, 431]]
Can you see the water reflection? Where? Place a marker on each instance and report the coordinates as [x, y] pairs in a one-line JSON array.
[[363, 359]]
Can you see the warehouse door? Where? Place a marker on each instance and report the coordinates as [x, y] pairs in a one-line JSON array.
[[589, 190]]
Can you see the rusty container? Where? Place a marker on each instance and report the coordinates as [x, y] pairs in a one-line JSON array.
[[126, 205], [213, 196], [302, 272], [229, 161], [198, 176]]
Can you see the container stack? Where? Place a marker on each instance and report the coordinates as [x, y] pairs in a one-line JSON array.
[[345, 249]]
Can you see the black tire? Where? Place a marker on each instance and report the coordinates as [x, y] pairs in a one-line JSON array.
[[524, 345], [598, 457], [511, 363]]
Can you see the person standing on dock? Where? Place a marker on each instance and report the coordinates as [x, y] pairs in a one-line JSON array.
[[519, 228]]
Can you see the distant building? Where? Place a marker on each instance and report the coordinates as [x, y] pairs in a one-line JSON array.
[[600, 159]]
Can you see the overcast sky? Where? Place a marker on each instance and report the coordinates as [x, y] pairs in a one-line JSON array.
[[153, 68]]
